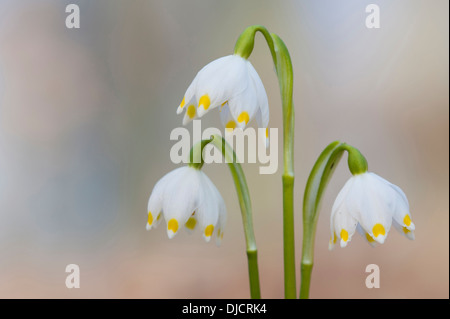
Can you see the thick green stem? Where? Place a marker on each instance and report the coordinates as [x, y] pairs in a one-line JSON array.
[[315, 187], [246, 208], [253, 273], [283, 67]]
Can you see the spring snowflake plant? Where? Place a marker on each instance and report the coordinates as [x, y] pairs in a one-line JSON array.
[[186, 197]]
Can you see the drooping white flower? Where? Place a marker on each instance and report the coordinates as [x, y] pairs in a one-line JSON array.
[[231, 83], [187, 197], [369, 204]]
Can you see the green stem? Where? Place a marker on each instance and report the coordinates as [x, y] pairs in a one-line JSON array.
[[195, 155], [245, 204], [285, 79], [283, 67], [315, 187]]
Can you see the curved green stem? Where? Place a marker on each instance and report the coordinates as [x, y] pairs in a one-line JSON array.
[[315, 187], [285, 79], [244, 202], [283, 68], [195, 155]]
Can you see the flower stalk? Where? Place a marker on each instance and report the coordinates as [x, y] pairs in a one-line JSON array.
[[283, 68], [244, 202], [315, 187]]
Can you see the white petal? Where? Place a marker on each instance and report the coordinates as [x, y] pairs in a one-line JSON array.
[[155, 201], [366, 235], [344, 226], [190, 114], [180, 198], [225, 116], [339, 205], [374, 212], [404, 230], [243, 107], [220, 80], [208, 208], [400, 206], [262, 116], [343, 195], [189, 96], [222, 218]]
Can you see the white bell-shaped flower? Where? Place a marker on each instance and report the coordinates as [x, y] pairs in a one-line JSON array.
[[231, 83], [186, 196], [369, 204]]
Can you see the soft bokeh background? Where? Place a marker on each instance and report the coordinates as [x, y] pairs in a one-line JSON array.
[[85, 118]]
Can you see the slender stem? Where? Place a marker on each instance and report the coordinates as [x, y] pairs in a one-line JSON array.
[[253, 273], [285, 79], [246, 211], [315, 187], [283, 67]]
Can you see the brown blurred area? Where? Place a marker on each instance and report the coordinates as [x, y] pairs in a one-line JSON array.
[[85, 119]]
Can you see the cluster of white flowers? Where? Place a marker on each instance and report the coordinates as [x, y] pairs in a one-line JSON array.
[[186, 196]]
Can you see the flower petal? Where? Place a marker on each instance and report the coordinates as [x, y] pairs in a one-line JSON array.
[[189, 97], [400, 208], [262, 116], [190, 114], [208, 208], [227, 119], [219, 81], [155, 201], [191, 223], [243, 107], [338, 206], [373, 210], [180, 198], [344, 226], [222, 218], [404, 230], [366, 235]]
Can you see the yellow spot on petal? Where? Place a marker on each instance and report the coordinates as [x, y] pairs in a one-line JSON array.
[[159, 216], [407, 220], [231, 125], [243, 117], [267, 132], [173, 225], [191, 223], [209, 230], [406, 230], [344, 235], [378, 229], [369, 238], [333, 238], [205, 101], [150, 218], [218, 232], [191, 111], [182, 102]]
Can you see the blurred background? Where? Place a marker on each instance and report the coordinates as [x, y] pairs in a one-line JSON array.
[[85, 119]]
